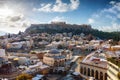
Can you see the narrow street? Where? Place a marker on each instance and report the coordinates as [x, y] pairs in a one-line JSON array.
[[76, 67]]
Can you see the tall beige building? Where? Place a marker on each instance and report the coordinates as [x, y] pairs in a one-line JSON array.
[[56, 60]]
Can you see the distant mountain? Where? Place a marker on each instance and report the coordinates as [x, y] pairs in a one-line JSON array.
[[2, 33], [75, 29]]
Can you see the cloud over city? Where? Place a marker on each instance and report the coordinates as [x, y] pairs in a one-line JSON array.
[[59, 6], [108, 16], [58, 18]]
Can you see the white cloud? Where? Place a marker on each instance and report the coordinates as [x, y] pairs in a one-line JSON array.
[[57, 19], [13, 23], [90, 21], [108, 18], [115, 8], [74, 4], [113, 27], [44, 8], [15, 18], [112, 2], [59, 6]]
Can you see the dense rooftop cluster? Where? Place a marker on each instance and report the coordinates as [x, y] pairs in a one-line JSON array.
[[65, 54]]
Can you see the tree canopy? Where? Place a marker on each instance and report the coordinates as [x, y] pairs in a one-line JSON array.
[[24, 77]]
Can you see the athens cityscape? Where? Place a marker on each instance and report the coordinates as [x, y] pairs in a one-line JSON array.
[[59, 39]]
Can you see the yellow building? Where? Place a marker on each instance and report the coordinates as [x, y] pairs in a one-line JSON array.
[[56, 59], [113, 71], [93, 70], [94, 65]]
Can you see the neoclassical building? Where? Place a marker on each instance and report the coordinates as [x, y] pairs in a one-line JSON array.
[[56, 59], [113, 71], [94, 65]]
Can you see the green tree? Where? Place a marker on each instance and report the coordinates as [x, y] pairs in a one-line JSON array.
[[24, 77], [32, 52]]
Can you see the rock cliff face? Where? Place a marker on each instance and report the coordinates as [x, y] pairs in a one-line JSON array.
[[58, 28]]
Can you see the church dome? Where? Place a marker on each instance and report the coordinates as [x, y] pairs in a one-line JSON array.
[[54, 51]]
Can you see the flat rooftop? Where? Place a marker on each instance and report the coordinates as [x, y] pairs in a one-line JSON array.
[[95, 61]]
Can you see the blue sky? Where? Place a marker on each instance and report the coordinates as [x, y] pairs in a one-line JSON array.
[[17, 15]]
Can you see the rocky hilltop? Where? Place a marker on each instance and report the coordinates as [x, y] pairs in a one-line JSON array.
[[58, 28], [61, 27]]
